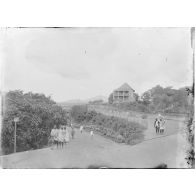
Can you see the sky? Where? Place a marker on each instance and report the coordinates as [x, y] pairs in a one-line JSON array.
[[81, 63]]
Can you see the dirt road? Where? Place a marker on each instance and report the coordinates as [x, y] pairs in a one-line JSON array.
[[84, 152]]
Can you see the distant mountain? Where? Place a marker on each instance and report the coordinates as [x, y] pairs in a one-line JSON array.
[[80, 102], [75, 101], [100, 97], [72, 103]]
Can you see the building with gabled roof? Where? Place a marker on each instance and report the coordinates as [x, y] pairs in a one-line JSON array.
[[123, 94]]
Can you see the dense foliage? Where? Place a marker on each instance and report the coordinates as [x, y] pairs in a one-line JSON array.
[[37, 116], [190, 130], [167, 100], [131, 106], [115, 128], [78, 113], [110, 98]]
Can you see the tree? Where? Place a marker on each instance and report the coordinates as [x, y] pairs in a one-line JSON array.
[[190, 128], [146, 98], [79, 112], [37, 114], [110, 98], [166, 99], [136, 97]]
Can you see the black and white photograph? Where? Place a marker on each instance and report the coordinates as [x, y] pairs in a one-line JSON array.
[[97, 97]]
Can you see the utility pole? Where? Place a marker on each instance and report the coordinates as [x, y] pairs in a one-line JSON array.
[[15, 125]]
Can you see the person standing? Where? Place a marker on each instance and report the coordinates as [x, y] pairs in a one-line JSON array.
[[64, 135], [162, 125], [157, 125], [60, 137], [67, 137], [53, 136], [81, 129], [72, 131], [91, 134]]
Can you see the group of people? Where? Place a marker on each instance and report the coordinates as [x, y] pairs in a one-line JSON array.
[[159, 124], [61, 136]]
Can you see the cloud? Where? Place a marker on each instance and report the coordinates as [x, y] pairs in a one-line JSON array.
[[70, 54], [85, 62]]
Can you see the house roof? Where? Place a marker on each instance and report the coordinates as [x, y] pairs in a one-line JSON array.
[[124, 87]]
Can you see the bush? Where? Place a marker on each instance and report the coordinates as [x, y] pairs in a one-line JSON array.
[[120, 138], [115, 128], [37, 116], [137, 106], [79, 113]]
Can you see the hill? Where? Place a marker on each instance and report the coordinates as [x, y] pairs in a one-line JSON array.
[[70, 103]]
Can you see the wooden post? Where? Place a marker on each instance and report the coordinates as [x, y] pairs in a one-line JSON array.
[[15, 127], [15, 138]]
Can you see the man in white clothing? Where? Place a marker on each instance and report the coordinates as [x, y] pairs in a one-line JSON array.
[[81, 129]]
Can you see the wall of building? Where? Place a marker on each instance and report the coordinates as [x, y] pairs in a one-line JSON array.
[[124, 96]]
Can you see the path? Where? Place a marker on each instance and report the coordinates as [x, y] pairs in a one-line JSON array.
[[84, 152], [173, 124]]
